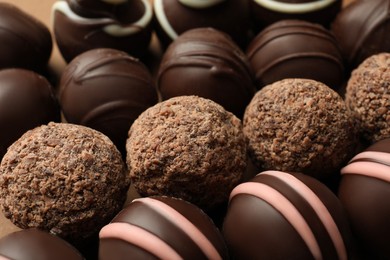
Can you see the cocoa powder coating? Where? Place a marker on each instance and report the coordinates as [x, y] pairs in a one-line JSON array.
[[187, 147], [67, 179]]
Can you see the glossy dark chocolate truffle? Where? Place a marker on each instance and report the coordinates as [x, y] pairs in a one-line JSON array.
[[161, 228], [364, 191], [81, 25], [279, 215], [26, 101], [174, 17], [207, 63], [34, 244], [296, 49], [106, 89], [25, 41], [266, 12], [362, 29]]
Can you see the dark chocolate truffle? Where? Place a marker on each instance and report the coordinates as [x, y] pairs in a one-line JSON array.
[[25, 41], [299, 125], [296, 49], [187, 147], [207, 63], [81, 25], [362, 29], [26, 101], [364, 191], [279, 215], [161, 228], [368, 97], [174, 17], [34, 244], [106, 89], [67, 179]]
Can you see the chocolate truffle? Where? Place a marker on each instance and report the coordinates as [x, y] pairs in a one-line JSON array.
[[173, 17], [34, 244], [67, 179], [296, 49], [81, 25], [279, 215], [364, 189], [266, 12], [26, 101], [187, 147], [106, 89], [25, 41], [362, 29], [368, 97], [161, 228], [299, 125], [210, 65]]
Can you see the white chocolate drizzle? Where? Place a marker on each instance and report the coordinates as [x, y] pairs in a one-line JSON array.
[[162, 19], [294, 8], [200, 4]]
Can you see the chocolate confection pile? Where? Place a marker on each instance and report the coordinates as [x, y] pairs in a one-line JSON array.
[[187, 129]]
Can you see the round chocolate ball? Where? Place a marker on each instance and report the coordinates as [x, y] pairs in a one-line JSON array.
[[299, 125], [279, 215], [362, 29], [210, 65], [187, 147], [34, 244], [106, 89], [83, 25], [25, 41], [161, 228], [296, 49], [27, 100], [173, 17], [67, 179], [364, 189]]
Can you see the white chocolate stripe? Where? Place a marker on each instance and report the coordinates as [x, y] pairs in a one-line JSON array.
[[378, 156], [200, 4], [184, 224], [285, 208], [162, 19], [371, 169], [317, 205], [140, 238], [294, 8]]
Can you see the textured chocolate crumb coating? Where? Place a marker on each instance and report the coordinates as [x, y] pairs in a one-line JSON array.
[[187, 147], [67, 179], [368, 97], [299, 125]]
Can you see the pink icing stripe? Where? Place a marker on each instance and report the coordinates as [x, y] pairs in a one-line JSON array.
[[285, 207], [379, 156], [370, 169], [184, 224], [320, 209], [139, 237]]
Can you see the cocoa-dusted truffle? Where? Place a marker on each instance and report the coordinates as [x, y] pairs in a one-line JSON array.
[[67, 179], [210, 65], [368, 97], [299, 125], [187, 147]]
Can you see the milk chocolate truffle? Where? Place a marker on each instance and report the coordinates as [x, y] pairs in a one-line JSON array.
[[299, 125], [362, 29], [279, 215], [161, 228], [364, 189], [210, 65], [296, 49], [81, 25], [187, 147], [34, 244], [26, 101], [66, 179], [25, 41], [106, 89], [266, 12], [173, 17]]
